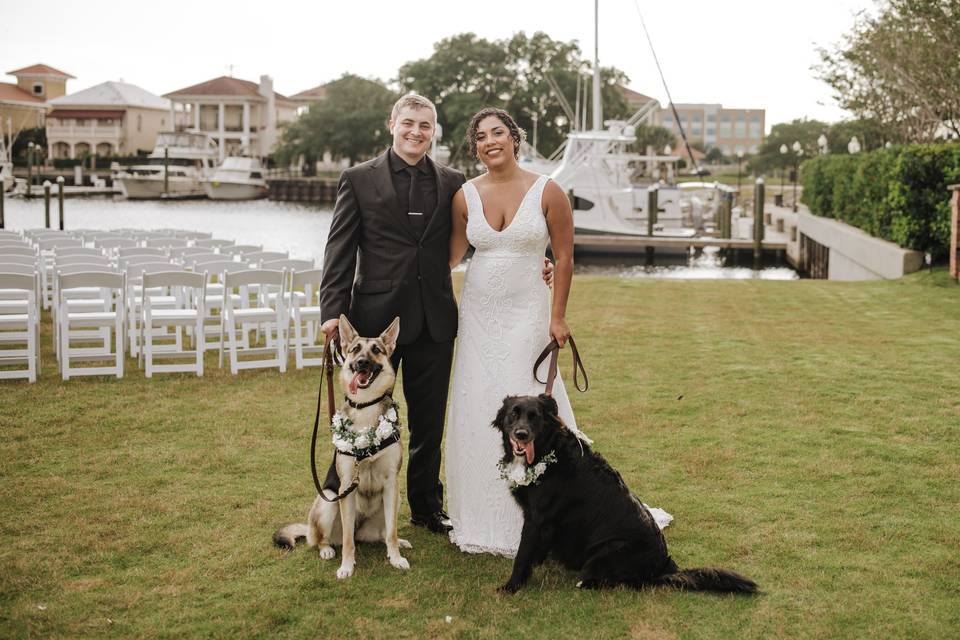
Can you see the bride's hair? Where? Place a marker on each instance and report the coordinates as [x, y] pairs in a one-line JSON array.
[[518, 134]]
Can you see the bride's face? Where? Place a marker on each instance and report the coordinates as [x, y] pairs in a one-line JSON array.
[[494, 143]]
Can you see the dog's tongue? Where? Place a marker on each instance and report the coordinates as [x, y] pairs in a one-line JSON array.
[[527, 450], [355, 382]]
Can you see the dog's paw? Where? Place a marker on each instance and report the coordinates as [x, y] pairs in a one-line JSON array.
[[400, 563], [510, 588], [344, 572], [326, 552], [587, 583], [404, 544]]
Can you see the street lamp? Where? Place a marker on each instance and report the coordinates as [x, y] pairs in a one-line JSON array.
[[30, 146], [739, 162], [798, 151], [783, 152], [823, 143], [853, 146]]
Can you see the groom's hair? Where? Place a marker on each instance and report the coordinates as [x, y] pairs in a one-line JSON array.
[[518, 134], [413, 100]]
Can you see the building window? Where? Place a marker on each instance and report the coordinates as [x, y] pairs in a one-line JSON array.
[[139, 121], [725, 126], [711, 117], [711, 130], [81, 122], [37, 89]]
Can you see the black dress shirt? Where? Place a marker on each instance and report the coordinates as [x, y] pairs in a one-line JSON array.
[[425, 195]]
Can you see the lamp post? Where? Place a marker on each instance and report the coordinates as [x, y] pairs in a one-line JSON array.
[[30, 146], [823, 144], [783, 153], [739, 163], [798, 151]]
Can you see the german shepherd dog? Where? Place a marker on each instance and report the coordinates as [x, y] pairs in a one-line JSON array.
[[580, 511], [369, 514]]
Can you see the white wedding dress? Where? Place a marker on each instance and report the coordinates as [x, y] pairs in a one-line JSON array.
[[504, 324]]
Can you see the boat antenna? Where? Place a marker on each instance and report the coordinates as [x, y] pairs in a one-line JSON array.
[[596, 65], [673, 107]]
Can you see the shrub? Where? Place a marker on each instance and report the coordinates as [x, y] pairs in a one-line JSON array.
[[897, 194]]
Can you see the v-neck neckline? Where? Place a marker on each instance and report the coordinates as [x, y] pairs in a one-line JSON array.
[[516, 214]]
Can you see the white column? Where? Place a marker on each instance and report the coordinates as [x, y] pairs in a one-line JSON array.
[[245, 138], [173, 120], [196, 116], [220, 122]]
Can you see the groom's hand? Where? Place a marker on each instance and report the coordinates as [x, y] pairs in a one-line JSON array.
[[330, 328], [548, 272]]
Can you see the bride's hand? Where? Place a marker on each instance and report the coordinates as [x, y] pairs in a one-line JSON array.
[[559, 330], [548, 272]]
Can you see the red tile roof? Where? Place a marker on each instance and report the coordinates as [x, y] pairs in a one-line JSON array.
[[93, 114], [312, 95], [222, 86], [634, 96], [39, 69], [13, 92]]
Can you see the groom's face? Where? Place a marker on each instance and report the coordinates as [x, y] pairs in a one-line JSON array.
[[412, 132]]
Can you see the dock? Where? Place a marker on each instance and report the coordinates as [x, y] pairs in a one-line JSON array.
[[631, 242]]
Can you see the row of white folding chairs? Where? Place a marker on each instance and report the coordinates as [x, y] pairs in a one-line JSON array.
[[19, 321]]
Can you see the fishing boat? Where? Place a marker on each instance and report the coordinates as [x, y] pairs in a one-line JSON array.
[[238, 178], [174, 169]]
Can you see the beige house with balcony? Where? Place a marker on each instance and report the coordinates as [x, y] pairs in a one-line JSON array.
[[242, 117], [24, 105], [112, 118]]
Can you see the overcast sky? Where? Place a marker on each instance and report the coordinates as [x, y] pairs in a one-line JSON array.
[[739, 53]]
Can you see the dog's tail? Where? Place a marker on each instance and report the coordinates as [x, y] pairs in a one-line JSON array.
[[707, 579], [288, 536]]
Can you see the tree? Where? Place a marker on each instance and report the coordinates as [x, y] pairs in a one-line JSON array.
[[350, 122], [901, 68], [466, 73], [806, 132], [654, 136]]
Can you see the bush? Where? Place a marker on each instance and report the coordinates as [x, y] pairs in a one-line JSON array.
[[897, 194]]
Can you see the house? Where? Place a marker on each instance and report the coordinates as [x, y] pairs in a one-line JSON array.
[[24, 105], [243, 117], [304, 99], [111, 118]]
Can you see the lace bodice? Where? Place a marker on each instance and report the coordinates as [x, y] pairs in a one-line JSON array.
[[527, 233]]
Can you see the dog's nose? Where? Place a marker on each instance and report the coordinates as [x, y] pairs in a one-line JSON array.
[[521, 435], [363, 364]]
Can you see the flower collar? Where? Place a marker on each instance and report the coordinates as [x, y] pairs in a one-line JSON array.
[[365, 442], [518, 474]]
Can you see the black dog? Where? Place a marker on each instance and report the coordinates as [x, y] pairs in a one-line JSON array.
[[577, 508]]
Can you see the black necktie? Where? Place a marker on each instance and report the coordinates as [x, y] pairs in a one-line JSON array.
[[414, 204]]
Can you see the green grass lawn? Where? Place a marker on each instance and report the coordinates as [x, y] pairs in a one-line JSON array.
[[806, 434]]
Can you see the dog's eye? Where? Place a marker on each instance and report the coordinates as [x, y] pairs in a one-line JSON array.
[[356, 349], [375, 350]]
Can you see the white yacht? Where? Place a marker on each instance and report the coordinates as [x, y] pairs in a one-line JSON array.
[[174, 169], [238, 178]]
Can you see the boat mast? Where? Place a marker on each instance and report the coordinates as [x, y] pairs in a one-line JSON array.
[[596, 65]]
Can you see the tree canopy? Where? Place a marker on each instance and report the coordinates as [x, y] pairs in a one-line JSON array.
[[350, 122], [901, 68], [466, 73]]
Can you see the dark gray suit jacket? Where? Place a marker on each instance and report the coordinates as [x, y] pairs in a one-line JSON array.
[[376, 268]]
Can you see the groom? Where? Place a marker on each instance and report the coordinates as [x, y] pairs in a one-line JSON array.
[[386, 256]]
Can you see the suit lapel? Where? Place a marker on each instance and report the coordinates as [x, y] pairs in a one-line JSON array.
[[383, 181]]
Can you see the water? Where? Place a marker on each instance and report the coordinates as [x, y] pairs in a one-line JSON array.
[[301, 230]]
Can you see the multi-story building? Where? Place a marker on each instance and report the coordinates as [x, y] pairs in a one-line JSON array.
[[243, 117], [730, 130], [24, 105], [112, 118]]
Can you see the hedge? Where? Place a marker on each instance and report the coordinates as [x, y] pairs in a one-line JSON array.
[[897, 194]]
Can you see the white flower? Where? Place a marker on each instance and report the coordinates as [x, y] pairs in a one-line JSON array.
[[384, 429], [337, 420], [361, 442], [539, 468], [517, 474], [391, 414], [342, 444]]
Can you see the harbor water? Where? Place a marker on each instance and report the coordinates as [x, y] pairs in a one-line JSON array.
[[301, 230]]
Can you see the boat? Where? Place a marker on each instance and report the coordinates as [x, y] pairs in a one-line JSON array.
[[174, 169], [610, 185], [238, 178]]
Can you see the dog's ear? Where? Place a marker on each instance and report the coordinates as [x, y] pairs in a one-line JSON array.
[[502, 413], [549, 405], [347, 333], [389, 336]]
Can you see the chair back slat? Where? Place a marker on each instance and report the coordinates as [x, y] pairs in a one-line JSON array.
[[137, 270], [11, 267], [104, 279], [253, 276], [14, 280], [18, 251], [174, 279]]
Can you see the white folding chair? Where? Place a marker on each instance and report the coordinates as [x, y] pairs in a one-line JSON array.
[[47, 243], [192, 235], [81, 299], [63, 252], [240, 249], [268, 320], [166, 242], [182, 254], [124, 252], [133, 301], [214, 300], [188, 289], [20, 328], [213, 243], [258, 257], [306, 316], [112, 317]]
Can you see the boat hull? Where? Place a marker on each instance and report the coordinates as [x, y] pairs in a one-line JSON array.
[[143, 188], [217, 190]]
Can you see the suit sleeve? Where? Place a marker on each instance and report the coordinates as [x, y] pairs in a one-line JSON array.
[[340, 254]]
